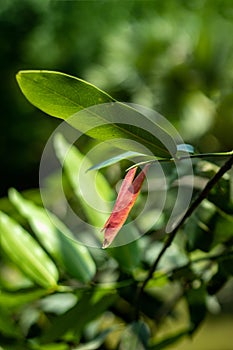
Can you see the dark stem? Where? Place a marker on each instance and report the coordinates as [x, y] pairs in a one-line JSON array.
[[202, 195]]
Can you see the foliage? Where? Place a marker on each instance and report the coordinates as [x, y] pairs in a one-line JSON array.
[[173, 56], [65, 295]]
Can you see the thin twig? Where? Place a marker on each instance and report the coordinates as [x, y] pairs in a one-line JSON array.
[[203, 194]]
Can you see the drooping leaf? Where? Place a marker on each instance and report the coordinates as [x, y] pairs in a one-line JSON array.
[[63, 96], [126, 198], [26, 253]]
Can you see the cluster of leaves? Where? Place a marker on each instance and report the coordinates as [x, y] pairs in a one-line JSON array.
[[57, 294]]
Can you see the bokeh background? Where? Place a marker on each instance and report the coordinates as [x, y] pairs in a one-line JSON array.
[[172, 56]]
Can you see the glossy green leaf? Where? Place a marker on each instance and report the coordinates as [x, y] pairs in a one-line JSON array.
[[62, 96], [56, 238], [26, 253], [58, 94]]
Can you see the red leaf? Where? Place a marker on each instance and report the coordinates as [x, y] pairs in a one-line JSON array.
[[126, 198]]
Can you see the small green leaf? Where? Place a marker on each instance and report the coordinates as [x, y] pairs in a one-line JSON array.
[[116, 159], [62, 96], [56, 238], [26, 253]]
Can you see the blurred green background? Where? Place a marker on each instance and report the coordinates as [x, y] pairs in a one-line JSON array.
[[174, 56]]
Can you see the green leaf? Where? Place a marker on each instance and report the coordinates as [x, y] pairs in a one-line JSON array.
[[18, 299], [116, 159], [58, 303], [56, 238], [75, 165], [58, 94], [61, 96], [26, 253]]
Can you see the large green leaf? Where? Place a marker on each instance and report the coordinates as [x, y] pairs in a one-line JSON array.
[[26, 253], [62, 96], [56, 238]]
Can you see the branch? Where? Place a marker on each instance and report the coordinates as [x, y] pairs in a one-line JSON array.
[[202, 195]]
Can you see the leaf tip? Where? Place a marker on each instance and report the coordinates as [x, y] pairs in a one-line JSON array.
[[106, 243]]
